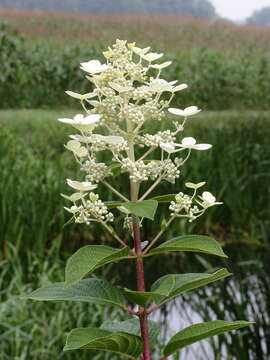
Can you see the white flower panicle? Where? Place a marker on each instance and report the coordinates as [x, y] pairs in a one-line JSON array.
[[129, 92]]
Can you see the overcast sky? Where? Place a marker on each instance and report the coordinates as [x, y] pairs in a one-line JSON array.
[[238, 9]]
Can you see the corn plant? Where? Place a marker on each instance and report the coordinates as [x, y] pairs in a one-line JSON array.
[[129, 92]]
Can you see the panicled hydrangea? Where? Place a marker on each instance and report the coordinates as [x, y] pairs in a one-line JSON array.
[[125, 97]]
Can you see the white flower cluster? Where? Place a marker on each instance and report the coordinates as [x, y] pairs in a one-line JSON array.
[[124, 99], [140, 170], [155, 140], [90, 210], [184, 206], [95, 171]]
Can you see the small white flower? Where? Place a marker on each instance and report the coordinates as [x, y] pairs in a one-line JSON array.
[[180, 87], [81, 186], [114, 140], [187, 143], [81, 96], [168, 147], [120, 88], [189, 111], [152, 56], [161, 66], [209, 199], [160, 85], [76, 148], [94, 67], [73, 210], [140, 51], [82, 123], [190, 143]]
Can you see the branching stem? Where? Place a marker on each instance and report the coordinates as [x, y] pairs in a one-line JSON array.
[[115, 191], [158, 235], [113, 233], [151, 188]]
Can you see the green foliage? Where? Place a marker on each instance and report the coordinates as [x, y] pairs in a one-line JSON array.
[[192, 243], [88, 290], [199, 332], [260, 17], [146, 208], [118, 342], [89, 258]]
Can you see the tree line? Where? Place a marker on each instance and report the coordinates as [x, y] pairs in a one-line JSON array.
[[196, 8]]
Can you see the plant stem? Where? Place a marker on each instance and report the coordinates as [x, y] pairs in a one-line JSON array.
[[143, 316], [140, 277], [151, 189], [115, 191]]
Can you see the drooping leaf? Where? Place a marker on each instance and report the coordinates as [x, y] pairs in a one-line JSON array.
[[199, 332], [183, 283], [132, 326], [89, 258], [164, 198], [118, 342], [89, 290], [193, 243], [146, 208], [169, 286]]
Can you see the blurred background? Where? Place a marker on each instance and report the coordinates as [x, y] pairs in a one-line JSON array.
[[221, 49]]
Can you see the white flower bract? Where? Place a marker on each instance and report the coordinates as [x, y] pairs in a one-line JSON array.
[[189, 111], [94, 67], [81, 186]]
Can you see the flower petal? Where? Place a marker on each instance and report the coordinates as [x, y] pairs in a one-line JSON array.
[[202, 146], [175, 111], [188, 141]]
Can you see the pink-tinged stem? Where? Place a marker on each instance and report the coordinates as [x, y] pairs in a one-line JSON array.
[[141, 287], [143, 316]]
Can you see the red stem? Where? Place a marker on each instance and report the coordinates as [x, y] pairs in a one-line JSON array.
[[141, 287]]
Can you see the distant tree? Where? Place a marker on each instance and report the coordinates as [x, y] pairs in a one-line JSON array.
[[260, 17], [197, 8]]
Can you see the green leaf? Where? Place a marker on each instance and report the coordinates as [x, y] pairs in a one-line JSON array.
[[146, 208], [89, 258], [164, 198], [183, 282], [89, 290], [141, 298], [132, 326], [193, 243], [169, 286], [120, 342], [199, 332]]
